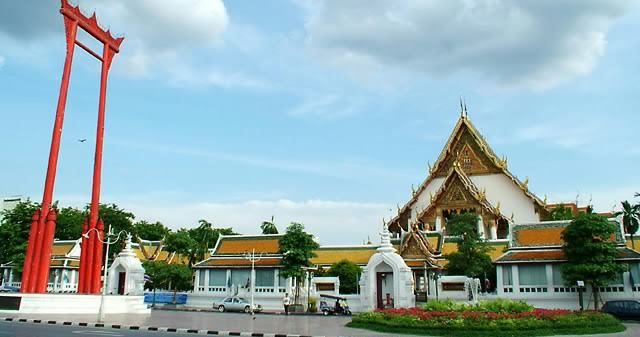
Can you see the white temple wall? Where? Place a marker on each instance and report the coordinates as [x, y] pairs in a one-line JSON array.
[[499, 188], [553, 294], [424, 198]]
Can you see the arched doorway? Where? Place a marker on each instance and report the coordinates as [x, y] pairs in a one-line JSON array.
[[384, 286]]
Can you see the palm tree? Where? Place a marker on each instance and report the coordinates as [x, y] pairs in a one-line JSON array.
[[630, 218], [269, 227]]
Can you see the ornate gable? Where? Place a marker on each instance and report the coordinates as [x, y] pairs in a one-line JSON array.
[[416, 246], [458, 191], [468, 149]]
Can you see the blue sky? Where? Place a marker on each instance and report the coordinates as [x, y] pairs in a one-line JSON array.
[[323, 112]]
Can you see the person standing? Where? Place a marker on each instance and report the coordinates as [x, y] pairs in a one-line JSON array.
[[285, 301]]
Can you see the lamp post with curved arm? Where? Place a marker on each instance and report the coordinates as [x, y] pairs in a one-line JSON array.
[[106, 263]]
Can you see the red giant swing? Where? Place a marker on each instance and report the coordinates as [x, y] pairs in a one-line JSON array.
[[36, 264]]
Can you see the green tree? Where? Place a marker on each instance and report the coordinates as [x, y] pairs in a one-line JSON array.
[[630, 218], [558, 213], [152, 231], [348, 273], [14, 232], [296, 247], [590, 252], [179, 278], [119, 219], [180, 242], [174, 277], [471, 258], [205, 237], [269, 227], [69, 223]]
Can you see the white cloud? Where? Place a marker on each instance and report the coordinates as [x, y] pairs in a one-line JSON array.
[[343, 169], [334, 222], [330, 107], [558, 134], [1, 61], [159, 34], [182, 75], [603, 198], [534, 44]]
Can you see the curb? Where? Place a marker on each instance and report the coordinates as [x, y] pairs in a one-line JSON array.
[[148, 328], [195, 309]]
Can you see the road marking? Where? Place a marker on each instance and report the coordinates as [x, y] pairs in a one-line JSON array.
[[96, 333]]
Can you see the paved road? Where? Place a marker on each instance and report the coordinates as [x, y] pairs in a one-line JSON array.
[[9, 329], [303, 325]]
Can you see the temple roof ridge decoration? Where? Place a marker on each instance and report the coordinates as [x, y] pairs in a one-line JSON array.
[[478, 195], [496, 164]]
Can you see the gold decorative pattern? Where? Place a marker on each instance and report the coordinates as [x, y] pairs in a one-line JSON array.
[[464, 134]]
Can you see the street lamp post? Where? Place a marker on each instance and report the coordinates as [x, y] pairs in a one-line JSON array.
[[252, 257], [106, 264]]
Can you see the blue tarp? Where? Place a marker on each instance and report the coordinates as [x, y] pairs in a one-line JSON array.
[[165, 297]]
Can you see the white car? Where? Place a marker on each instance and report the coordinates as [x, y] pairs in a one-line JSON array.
[[236, 303]]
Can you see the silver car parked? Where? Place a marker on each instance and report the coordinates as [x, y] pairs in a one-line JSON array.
[[236, 303]]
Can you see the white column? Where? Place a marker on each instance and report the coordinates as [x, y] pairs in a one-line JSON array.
[[481, 227], [206, 279], [226, 281], [549, 270], [275, 280], [494, 230], [515, 276], [438, 223], [499, 281]]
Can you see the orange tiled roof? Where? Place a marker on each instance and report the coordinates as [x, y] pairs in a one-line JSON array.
[[57, 263], [533, 256], [556, 255], [330, 255], [240, 262], [61, 248], [550, 236], [238, 244]]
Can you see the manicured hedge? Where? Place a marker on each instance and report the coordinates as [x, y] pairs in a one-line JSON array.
[[535, 322]]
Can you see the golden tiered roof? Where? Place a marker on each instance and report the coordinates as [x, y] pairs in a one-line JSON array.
[[457, 174], [466, 137]]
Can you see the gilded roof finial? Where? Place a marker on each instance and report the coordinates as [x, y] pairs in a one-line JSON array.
[[545, 199], [498, 206], [483, 193], [512, 217], [526, 182], [429, 166], [413, 189], [461, 108], [466, 113], [431, 196]]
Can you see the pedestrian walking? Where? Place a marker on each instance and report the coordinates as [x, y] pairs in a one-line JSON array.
[[285, 301]]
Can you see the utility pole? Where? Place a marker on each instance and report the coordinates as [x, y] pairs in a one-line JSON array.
[[252, 257]]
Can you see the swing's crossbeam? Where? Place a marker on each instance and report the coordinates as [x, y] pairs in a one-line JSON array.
[[90, 25]]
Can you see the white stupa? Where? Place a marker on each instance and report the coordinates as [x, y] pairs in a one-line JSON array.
[[126, 274], [387, 281]]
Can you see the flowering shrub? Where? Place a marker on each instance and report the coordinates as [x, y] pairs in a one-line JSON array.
[[472, 322], [499, 305]]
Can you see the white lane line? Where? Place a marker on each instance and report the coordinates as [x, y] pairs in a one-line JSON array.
[[96, 333]]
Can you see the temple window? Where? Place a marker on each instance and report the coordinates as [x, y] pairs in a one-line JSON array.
[[503, 229], [466, 159]]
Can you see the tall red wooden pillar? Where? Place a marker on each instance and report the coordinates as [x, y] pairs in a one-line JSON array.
[[37, 258]]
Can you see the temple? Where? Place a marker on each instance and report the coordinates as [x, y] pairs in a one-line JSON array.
[[466, 177]]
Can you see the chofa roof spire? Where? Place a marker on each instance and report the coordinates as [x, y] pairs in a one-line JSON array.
[[463, 108]]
